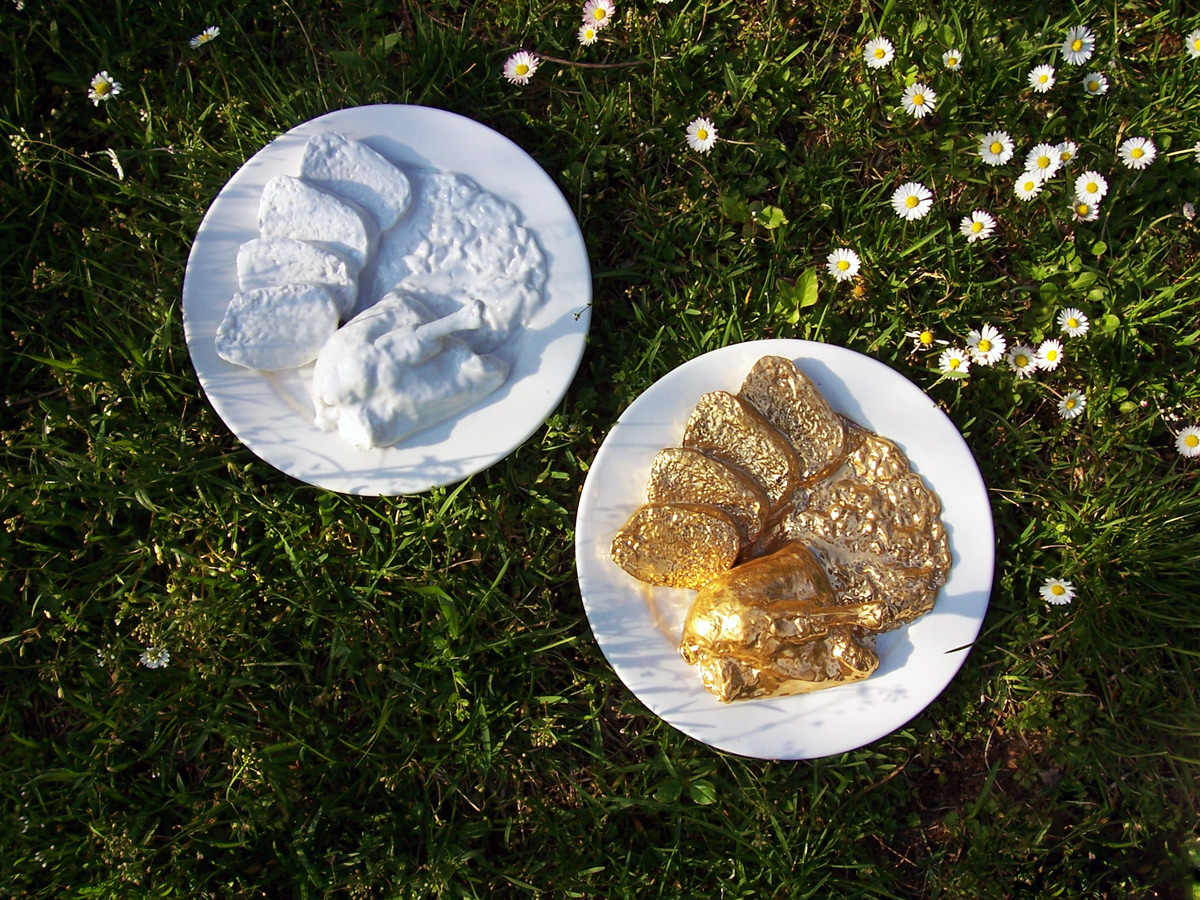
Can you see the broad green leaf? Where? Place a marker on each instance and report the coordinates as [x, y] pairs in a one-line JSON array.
[[702, 792]]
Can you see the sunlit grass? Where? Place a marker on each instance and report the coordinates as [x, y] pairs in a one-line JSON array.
[[401, 696]]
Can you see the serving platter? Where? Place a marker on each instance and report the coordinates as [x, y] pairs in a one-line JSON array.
[[638, 626], [272, 413]]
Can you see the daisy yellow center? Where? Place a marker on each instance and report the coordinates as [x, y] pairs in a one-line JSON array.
[[102, 88], [702, 134], [1192, 441], [1077, 45], [1072, 323], [1030, 185], [1021, 360], [843, 264], [1092, 187], [1070, 404], [911, 201], [1196, 44], [996, 147], [522, 69], [1057, 590], [1065, 155], [879, 53], [1093, 85], [1083, 209], [926, 338], [1136, 152], [952, 61], [977, 226], [1042, 79], [1051, 355], [918, 99], [984, 345], [599, 14], [1043, 162], [955, 363]]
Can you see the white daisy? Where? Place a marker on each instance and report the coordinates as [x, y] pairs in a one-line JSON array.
[[843, 264], [1022, 360], [1090, 187], [1049, 355], [1187, 442], [103, 88], [978, 226], [912, 200], [1082, 211], [1072, 404], [1028, 186], [205, 36], [924, 339], [996, 148], [701, 135], [1192, 44], [1041, 78], [1137, 152], [1189, 210], [987, 345], [878, 53], [1073, 322], [1043, 161], [918, 100], [1079, 45], [519, 67], [1057, 592], [952, 59], [1095, 84], [1067, 151], [588, 34], [953, 361], [598, 12], [155, 657]]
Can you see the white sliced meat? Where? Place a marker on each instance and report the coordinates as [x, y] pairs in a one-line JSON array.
[[267, 262], [278, 327], [354, 171], [396, 369], [291, 208]]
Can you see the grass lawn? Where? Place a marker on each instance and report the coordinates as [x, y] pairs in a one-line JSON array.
[[401, 696]]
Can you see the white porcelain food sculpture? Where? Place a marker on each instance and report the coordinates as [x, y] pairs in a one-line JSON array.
[[396, 292]]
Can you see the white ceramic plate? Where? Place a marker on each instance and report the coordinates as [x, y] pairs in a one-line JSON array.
[[638, 626], [272, 413]]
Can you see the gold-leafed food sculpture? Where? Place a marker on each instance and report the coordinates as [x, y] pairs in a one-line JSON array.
[[804, 534]]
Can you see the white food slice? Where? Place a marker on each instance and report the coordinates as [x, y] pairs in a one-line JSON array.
[[278, 327], [290, 208], [267, 262], [396, 369], [356, 172]]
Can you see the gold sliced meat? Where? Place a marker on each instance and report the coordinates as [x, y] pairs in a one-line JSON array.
[[682, 545], [773, 626], [790, 401], [684, 475], [725, 426]]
